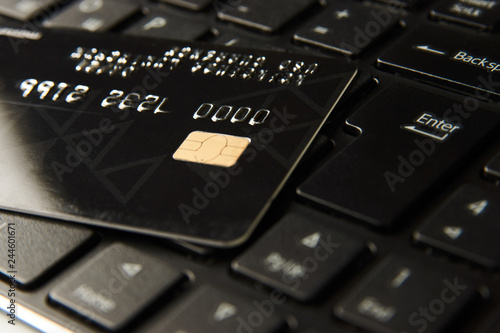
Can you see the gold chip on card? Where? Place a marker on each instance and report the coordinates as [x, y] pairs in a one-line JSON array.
[[211, 148]]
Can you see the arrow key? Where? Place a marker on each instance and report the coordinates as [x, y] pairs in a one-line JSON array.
[[466, 225], [211, 310]]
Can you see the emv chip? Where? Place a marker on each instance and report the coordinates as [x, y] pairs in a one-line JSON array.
[[211, 148], [193, 146]]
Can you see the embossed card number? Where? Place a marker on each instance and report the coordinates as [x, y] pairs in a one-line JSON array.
[[69, 93], [61, 91], [175, 139]]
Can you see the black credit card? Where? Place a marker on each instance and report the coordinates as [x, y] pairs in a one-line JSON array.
[[167, 138]]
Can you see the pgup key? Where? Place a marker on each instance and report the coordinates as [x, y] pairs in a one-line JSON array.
[[401, 153]]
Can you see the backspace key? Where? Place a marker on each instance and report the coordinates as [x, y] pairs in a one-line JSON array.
[[457, 59]]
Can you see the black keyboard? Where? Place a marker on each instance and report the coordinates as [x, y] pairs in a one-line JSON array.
[[390, 223]]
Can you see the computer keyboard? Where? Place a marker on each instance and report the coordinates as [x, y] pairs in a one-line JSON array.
[[390, 223]]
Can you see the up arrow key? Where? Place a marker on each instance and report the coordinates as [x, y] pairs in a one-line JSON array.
[[312, 240]]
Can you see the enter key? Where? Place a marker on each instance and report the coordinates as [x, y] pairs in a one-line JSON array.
[[403, 149]]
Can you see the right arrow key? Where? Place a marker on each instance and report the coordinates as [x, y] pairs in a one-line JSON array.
[[466, 225]]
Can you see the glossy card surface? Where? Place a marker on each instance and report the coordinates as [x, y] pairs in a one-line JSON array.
[[172, 139]]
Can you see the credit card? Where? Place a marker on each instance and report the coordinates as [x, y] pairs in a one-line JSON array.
[[173, 139]]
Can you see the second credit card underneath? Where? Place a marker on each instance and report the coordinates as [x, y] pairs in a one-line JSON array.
[[173, 139]]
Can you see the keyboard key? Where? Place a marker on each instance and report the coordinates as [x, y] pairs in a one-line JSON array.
[[163, 25], [92, 15], [348, 28], [299, 257], [452, 58], [40, 246], [403, 3], [404, 296], [399, 155], [492, 322], [466, 226], [190, 4], [237, 40], [116, 285], [267, 16], [26, 9], [492, 169], [210, 310], [481, 14], [495, 327]]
